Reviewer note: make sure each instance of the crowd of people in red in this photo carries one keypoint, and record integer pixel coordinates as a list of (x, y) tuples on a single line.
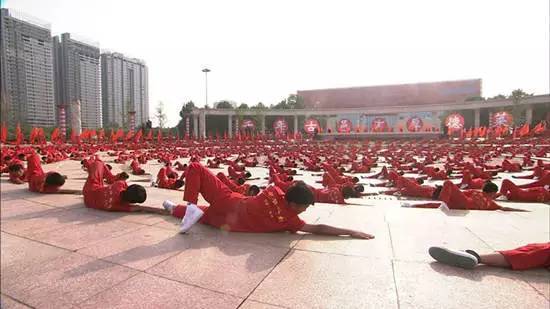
[(462, 175)]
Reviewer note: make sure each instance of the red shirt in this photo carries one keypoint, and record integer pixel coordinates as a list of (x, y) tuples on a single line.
[(480, 201), (37, 177), (99, 196), (266, 212), (331, 195)]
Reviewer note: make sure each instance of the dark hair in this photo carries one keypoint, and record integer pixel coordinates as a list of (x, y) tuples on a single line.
[(355, 180), (449, 172), (293, 172), (82, 161), (400, 173), (348, 192), (240, 181), (289, 178), (134, 194), (437, 191), (247, 175), (21, 156), (109, 166), (419, 181), (299, 193), (123, 175), (15, 167), (54, 179), (7, 158), (253, 190), (490, 187), (179, 183), (359, 188)]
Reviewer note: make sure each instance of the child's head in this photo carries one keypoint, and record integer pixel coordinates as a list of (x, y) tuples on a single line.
[(16, 169), (123, 176), (247, 175), (490, 188), (359, 188), (178, 184), (253, 190), (419, 181), (54, 179), (348, 192), (240, 181), (355, 180), (299, 197), (292, 172), (134, 194)]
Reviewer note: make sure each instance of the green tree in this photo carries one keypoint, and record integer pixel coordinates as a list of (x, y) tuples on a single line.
[(185, 112), (260, 105), (518, 110), (499, 96), (243, 106), (224, 104)]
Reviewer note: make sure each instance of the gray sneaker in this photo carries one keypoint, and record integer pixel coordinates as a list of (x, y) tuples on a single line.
[(453, 257)]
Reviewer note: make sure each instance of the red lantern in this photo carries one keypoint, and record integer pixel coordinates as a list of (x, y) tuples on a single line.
[(280, 126), (248, 124), (311, 124), (379, 124), (501, 119), (344, 126), (414, 124), (454, 122)]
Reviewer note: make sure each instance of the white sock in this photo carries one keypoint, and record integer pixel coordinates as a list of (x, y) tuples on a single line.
[(169, 205), (192, 216)]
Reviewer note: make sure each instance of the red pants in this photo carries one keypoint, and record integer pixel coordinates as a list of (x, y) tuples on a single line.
[(544, 181), (515, 193), (529, 256), (201, 180)]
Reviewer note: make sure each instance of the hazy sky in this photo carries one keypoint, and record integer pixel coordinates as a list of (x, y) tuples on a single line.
[(261, 51)]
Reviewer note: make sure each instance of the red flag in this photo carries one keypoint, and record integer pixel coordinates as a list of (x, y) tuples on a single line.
[(4, 134), (150, 135), (18, 135), (159, 135), (119, 134), (113, 136), (129, 135), (523, 131), (101, 134), (138, 135), (54, 136)]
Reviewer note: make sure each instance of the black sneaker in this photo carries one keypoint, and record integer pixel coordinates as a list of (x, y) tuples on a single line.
[(453, 257)]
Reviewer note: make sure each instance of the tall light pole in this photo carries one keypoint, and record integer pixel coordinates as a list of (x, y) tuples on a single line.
[(205, 70)]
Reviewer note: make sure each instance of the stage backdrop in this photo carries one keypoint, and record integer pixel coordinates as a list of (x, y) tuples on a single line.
[(405, 122)]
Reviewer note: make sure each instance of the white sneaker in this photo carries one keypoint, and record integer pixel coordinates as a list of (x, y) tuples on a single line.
[(192, 216), (444, 206), (169, 205)]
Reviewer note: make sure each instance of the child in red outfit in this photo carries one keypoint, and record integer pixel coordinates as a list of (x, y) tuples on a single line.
[(517, 194), (44, 182), (115, 197), (270, 211)]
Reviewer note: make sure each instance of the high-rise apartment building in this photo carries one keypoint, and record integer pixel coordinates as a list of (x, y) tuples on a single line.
[(124, 90), (77, 77), (26, 68)]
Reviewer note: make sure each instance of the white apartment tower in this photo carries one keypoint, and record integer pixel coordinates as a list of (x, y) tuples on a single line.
[(77, 76), (26, 69), (124, 90)]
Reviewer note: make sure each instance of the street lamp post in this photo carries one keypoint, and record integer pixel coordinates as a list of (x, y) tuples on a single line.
[(205, 70)]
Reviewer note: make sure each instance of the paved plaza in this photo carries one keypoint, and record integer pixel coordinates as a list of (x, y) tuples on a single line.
[(55, 253)]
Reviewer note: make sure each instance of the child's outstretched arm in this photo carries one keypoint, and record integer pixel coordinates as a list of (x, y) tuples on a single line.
[(323, 229)]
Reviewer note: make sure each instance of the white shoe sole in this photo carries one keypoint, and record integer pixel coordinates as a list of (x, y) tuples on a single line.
[(453, 258)]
